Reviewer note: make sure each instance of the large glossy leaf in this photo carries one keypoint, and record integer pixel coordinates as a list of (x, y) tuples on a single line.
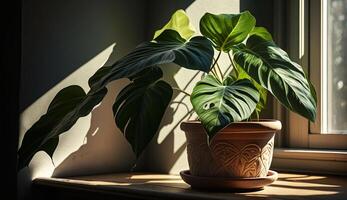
[(241, 74), (140, 106), (218, 104), (226, 30), (99, 74), (67, 106), (262, 91), (169, 47), (271, 67), (180, 23), (261, 32)]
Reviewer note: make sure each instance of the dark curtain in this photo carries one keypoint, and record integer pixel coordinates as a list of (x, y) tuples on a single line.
[(10, 12)]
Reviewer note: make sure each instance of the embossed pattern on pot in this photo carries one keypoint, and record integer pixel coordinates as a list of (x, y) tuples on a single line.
[(242, 149), (250, 160), (200, 159)]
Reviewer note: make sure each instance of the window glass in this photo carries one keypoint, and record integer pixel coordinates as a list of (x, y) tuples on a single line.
[(337, 66)]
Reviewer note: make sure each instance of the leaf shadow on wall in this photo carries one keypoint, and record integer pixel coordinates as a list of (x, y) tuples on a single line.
[(167, 146), (105, 149), (105, 145)]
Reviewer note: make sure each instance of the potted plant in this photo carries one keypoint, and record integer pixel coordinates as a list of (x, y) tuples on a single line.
[(228, 140)]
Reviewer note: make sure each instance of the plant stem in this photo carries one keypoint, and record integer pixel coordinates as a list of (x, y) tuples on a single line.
[(216, 63), (219, 70), (178, 89), (257, 113), (213, 72), (233, 64)]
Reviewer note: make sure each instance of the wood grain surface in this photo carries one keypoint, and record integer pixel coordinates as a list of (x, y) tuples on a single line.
[(163, 186)]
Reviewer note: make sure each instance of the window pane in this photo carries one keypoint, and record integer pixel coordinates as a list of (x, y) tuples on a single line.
[(337, 66)]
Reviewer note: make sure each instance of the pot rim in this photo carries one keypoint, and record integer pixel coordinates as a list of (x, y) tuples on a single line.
[(261, 125), (241, 122)]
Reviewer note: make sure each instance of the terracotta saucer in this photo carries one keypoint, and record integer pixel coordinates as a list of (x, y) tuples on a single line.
[(229, 184)]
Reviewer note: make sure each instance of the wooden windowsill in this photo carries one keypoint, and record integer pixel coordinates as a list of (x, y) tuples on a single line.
[(310, 160), (311, 154), (162, 186)]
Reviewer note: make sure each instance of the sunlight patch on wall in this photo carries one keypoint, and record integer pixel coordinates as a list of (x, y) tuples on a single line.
[(72, 140), (79, 77)]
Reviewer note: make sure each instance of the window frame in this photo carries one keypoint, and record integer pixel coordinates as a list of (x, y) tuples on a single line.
[(305, 44)]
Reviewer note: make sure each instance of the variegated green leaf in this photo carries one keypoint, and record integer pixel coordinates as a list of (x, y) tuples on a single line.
[(218, 104)]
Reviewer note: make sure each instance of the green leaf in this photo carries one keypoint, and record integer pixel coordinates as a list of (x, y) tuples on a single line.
[(312, 89), (262, 91), (100, 73), (67, 106), (180, 23), (226, 30), (196, 54), (261, 32), (140, 106), (218, 104), (271, 67)]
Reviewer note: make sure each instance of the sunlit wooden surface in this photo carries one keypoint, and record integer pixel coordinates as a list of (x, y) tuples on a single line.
[(160, 186)]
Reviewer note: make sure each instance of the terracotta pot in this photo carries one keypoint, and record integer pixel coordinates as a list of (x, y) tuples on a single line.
[(242, 149)]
